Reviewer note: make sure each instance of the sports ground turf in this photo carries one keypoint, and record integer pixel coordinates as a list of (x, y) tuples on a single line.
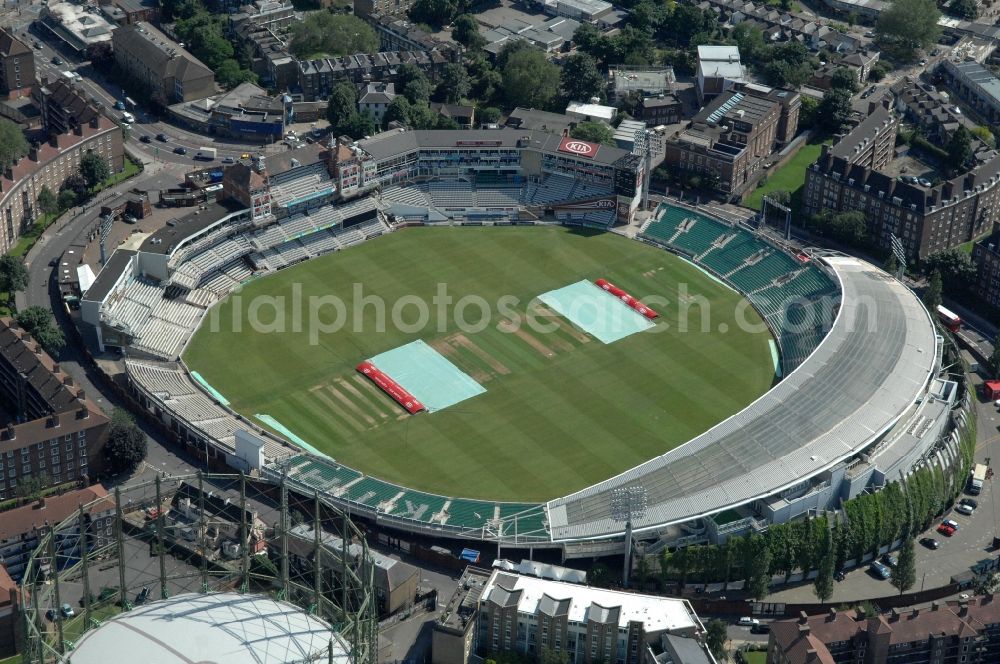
[(561, 410)]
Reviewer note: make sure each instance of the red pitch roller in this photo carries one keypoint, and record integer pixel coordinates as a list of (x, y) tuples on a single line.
[(391, 387), (606, 285)]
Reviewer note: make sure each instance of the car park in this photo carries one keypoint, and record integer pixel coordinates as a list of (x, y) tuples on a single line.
[(180, 149), (967, 510), (930, 542)]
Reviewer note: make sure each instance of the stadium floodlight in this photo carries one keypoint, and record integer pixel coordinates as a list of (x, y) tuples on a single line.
[(103, 229), (627, 504), (900, 253)]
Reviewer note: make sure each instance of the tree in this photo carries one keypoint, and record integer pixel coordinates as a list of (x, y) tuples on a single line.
[(67, 199), (229, 74), (595, 132), (398, 111), (959, 148), (38, 322), (413, 83), (465, 30), (47, 201), (31, 487), (13, 144), (550, 656), (580, 79), (323, 33), (94, 169), (844, 79), (964, 8), (908, 25), (905, 574), (454, 84), (932, 296), (343, 105), (126, 446), (823, 585), (993, 361), (891, 264), (958, 273), (529, 79), (750, 40), (433, 12), (985, 135), (488, 115), (13, 275), (360, 125), (715, 638), (834, 111)]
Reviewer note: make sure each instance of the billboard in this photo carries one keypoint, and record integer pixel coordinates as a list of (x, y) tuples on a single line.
[(594, 204), (577, 147)]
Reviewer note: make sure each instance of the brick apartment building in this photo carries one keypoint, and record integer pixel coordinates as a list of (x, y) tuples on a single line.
[(732, 136), (63, 105), (498, 611), (986, 258), (849, 176), (945, 633), (154, 60), (10, 615), (49, 164), (22, 527), (17, 67), (51, 431)]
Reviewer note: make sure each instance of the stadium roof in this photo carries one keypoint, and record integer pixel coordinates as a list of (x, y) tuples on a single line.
[(393, 143), (223, 628), (874, 363)]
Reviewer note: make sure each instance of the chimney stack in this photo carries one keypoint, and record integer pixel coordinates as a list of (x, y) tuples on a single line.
[(832, 614), (55, 367), (78, 129), (963, 609), (95, 121), (11, 431), (803, 618), (68, 381), (914, 612), (81, 395), (804, 630), (895, 615), (935, 605), (53, 421), (33, 153)]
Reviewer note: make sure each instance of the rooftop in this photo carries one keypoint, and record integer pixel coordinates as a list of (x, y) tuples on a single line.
[(160, 53), (656, 613), (83, 26), (626, 80), (850, 145), (51, 510), (979, 77), (224, 628), (166, 239)]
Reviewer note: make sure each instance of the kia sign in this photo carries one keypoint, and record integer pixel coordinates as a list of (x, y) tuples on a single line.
[(578, 147), (594, 204)]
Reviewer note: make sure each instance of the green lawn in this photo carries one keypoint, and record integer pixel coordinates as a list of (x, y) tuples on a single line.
[(755, 657), (789, 177), (561, 410)]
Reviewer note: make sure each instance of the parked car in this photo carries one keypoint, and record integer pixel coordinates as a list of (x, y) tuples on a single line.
[(879, 570), (245, 155), (51, 615), (228, 160), (145, 139), (889, 560), (760, 629), (971, 502), (950, 524), (143, 595), (840, 576), (946, 530), (923, 182), (67, 611), (162, 138), (180, 149), (119, 105), (747, 621), (57, 60), (930, 542), (967, 510)]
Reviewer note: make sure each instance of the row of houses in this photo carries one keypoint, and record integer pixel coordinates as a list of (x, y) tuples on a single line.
[(780, 26)]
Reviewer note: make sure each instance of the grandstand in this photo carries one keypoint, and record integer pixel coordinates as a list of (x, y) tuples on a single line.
[(772, 280)]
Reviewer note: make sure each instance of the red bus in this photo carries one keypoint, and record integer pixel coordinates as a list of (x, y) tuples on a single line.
[(949, 318)]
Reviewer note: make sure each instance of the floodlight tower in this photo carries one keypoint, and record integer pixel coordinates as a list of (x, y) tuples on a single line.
[(627, 504), (103, 229)]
